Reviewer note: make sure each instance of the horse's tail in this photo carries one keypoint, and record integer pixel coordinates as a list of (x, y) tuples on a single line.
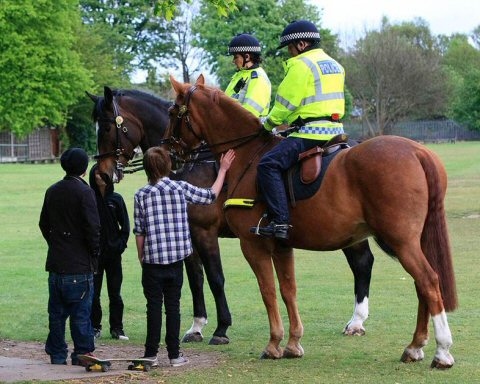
[(435, 241)]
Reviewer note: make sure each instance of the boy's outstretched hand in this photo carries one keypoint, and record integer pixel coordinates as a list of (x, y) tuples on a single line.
[(226, 160)]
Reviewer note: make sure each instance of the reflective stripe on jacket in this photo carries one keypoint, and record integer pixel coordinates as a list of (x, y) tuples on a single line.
[(312, 89), (255, 93)]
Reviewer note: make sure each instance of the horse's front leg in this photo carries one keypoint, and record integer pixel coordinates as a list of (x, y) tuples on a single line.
[(360, 259), (260, 260), (284, 263)]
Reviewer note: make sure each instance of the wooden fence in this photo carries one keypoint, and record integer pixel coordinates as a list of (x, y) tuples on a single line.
[(40, 145)]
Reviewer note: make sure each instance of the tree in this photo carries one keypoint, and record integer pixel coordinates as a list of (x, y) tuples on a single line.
[(462, 61), (266, 21), (41, 72), (99, 59), (167, 8), (392, 75)]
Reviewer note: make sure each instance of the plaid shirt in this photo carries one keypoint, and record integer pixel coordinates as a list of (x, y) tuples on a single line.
[(160, 214)]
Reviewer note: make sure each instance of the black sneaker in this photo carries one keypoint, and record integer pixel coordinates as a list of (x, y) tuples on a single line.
[(279, 231), (118, 334)]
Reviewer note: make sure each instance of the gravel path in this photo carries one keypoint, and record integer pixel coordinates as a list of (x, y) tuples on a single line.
[(25, 361)]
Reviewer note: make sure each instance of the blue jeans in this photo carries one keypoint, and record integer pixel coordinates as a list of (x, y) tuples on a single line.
[(270, 175), (69, 296), (163, 283)]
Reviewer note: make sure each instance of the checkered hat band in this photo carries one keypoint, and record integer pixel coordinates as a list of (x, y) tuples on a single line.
[(300, 36), (244, 49)]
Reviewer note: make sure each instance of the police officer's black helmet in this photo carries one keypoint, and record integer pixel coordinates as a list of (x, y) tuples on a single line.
[(299, 30), (244, 43)]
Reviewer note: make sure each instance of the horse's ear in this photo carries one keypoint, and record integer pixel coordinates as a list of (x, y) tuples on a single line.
[(108, 95), (92, 97), (176, 85), (200, 80)]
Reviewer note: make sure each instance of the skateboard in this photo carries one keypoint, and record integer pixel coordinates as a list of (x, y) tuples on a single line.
[(97, 364)]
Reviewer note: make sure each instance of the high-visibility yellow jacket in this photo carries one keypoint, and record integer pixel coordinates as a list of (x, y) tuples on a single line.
[(312, 89), (252, 88)]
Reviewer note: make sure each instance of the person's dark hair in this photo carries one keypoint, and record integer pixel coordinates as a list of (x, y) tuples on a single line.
[(157, 164)]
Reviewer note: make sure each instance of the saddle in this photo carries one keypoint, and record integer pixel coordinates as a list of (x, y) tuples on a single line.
[(311, 160), (304, 178)]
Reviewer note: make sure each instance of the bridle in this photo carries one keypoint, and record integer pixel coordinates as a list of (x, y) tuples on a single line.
[(183, 117), (121, 128)]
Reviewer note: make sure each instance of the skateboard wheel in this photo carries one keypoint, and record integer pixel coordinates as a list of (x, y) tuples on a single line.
[(105, 368), (146, 368), (88, 368), (130, 367)]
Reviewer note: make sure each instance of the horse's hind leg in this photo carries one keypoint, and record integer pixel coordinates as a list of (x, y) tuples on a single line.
[(283, 261), (194, 269), (414, 351), (430, 303), (360, 259), (210, 255)]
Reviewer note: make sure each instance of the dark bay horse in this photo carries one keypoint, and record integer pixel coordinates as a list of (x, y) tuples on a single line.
[(388, 187), (127, 119)]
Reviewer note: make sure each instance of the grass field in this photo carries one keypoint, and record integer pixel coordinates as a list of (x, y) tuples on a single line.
[(325, 293)]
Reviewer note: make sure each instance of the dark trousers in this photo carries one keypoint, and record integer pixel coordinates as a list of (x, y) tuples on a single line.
[(69, 296), (270, 175), (163, 284), (110, 266)]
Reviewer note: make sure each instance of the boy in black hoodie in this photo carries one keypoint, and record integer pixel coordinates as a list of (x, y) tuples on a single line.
[(113, 241)]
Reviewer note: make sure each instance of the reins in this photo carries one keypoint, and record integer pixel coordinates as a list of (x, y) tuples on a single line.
[(184, 116)]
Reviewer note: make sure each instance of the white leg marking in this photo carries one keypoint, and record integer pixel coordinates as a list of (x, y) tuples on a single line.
[(197, 326), (443, 336), (360, 314)]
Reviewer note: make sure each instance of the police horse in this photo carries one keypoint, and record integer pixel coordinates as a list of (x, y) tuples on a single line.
[(388, 187)]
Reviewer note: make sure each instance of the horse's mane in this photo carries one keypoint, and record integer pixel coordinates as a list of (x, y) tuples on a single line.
[(231, 106), (133, 93)]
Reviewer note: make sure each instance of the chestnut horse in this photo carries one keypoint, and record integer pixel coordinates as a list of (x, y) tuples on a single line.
[(388, 187), (127, 119)]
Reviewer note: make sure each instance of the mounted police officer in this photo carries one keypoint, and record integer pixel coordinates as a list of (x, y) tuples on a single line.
[(311, 98), (250, 84)]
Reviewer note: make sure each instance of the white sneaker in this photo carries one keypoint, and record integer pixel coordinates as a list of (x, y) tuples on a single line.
[(179, 361), (153, 358), (118, 334)]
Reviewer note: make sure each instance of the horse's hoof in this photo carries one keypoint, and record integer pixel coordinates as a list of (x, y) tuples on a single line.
[(354, 332), (440, 364), (289, 353), (195, 337), (411, 355), (268, 355), (219, 340)]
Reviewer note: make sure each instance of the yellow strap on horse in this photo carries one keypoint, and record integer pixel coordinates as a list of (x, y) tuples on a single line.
[(239, 202)]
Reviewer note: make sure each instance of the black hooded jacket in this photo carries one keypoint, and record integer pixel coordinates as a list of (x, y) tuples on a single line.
[(114, 220)]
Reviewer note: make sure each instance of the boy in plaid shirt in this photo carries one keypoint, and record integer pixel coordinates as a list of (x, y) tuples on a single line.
[(163, 241)]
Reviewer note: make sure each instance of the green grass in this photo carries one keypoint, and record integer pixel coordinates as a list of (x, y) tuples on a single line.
[(325, 293)]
